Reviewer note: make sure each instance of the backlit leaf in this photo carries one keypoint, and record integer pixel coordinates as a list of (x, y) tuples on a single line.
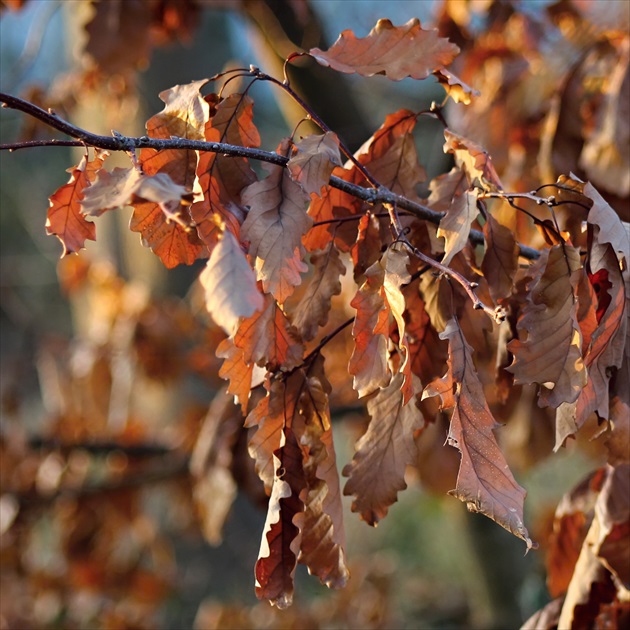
[(484, 481), (230, 285), (314, 160), (274, 226), (377, 471), (473, 160), (65, 215), (456, 223), (395, 51)]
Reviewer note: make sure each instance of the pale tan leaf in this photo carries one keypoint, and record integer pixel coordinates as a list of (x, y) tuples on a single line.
[(314, 160), (230, 285), (455, 225), (377, 471), (274, 226), (395, 51)]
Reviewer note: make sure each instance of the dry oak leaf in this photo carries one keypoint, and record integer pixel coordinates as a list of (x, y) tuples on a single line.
[(473, 160), (311, 312), (459, 91), (313, 162), (549, 348), (274, 227), (395, 51), (220, 179), (484, 481), (280, 544), (65, 215), (377, 471), (230, 285), (456, 223), (235, 370), (500, 260)]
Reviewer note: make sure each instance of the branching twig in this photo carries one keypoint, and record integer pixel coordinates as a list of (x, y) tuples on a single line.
[(118, 142)]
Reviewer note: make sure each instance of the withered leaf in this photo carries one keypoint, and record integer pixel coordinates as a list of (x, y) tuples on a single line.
[(274, 226), (549, 348), (236, 371), (312, 310), (65, 217), (500, 260), (281, 538), (377, 471), (221, 179), (230, 285), (314, 160), (395, 51), (473, 160), (484, 481), (456, 223)]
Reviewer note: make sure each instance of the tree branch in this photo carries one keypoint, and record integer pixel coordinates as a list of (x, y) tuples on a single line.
[(117, 142)]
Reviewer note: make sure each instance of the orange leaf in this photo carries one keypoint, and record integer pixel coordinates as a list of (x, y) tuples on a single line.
[(274, 226), (221, 179), (237, 371), (395, 51), (484, 481), (65, 219), (227, 269), (268, 339), (314, 160), (549, 348), (473, 160), (377, 470)]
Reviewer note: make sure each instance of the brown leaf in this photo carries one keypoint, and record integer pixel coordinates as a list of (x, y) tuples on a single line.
[(395, 51), (314, 160), (456, 223), (473, 160), (323, 538), (210, 465), (367, 248), (484, 481), (500, 260), (268, 339), (459, 91), (281, 538), (221, 179), (312, 310), (230, 285), (274, 226), (551, 352), (65, 218), (377, 471)]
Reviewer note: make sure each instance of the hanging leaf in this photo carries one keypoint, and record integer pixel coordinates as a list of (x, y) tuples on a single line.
[(314, 160), (473, 160), (377, 471), (274, 226), (456, 223), (500, 260), (484, 481)]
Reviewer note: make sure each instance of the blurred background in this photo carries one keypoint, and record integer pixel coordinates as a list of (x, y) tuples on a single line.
[(108, 362)]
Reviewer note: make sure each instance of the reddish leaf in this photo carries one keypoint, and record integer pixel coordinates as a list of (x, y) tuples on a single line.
[(314, 160), (484, 481), (395, 51), (281, 538), (65, 219), (367, 248), (312, 310), (274, 226), (500, 260), (323, 537), (268, 339), (377, 471), (226, 269), (221, 179), (548, 350)]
